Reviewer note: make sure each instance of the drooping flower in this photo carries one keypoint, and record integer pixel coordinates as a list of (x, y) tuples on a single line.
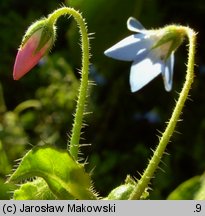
[(151, 51), (37, 41)]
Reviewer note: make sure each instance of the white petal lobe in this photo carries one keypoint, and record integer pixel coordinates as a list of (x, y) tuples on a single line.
[(143, 72), (129, 48), (134, 25)]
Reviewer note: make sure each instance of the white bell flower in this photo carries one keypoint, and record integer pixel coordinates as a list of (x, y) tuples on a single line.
[(151, 51)]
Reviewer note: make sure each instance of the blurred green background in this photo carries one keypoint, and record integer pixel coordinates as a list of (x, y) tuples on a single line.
[(123, 126)]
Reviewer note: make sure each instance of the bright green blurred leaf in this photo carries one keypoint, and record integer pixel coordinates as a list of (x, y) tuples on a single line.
[(5, 167), (36, 190), (5, 190), (200, 195), (187, 190)]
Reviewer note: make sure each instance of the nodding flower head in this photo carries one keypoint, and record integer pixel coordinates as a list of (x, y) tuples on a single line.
[(151, 51), (38, 40)]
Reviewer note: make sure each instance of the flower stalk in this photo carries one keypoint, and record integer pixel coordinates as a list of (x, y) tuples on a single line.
[(164, 140), (73, 143)]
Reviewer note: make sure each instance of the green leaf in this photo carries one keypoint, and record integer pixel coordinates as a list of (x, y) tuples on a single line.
[(186, 190), (36, 190), (65, 177), (200, 194)]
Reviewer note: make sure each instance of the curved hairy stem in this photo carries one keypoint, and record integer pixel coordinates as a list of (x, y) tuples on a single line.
[(78, 120), (164, 140)]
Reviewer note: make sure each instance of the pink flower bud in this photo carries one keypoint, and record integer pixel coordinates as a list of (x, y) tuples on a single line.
[(37, 41)]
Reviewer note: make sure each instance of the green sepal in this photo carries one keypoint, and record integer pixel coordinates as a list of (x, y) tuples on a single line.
[(48, 35), (121, 192), (124, 191), (47, 32), (32, 29), (171, 34)]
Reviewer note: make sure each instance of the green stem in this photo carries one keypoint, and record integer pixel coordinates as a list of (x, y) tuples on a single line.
[(78, 120), (158, 153)]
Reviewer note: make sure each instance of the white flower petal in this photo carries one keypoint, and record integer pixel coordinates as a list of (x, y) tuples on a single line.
[(128, 48), (143, 72), (167, 73), (134, 25)]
